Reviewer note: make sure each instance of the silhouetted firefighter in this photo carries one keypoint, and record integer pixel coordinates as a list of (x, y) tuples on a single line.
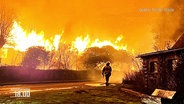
[(107, 72)]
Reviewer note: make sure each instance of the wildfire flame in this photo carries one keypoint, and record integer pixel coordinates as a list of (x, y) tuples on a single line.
[(22, 40), (82, 43)]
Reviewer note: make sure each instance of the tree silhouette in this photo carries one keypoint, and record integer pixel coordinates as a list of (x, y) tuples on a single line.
[(34, 56), (95, 55), (6, 22), (92, 56)]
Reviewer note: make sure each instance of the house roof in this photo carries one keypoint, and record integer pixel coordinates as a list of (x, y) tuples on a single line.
[(160, 52), (179, 43)]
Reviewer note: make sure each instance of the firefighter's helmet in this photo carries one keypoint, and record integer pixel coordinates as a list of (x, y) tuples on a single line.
[(108, 63)]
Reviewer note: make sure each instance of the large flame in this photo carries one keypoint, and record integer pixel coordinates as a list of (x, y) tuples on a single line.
[(82, 43), (22, 40)]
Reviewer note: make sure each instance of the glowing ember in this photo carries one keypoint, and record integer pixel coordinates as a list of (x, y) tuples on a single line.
[(132, 68), (119, 38), (3, 53), (124, 47)]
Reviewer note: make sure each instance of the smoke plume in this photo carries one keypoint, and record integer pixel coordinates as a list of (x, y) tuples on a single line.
[(170, 25)]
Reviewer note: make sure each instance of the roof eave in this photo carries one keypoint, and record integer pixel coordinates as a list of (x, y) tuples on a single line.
[(159, 52)]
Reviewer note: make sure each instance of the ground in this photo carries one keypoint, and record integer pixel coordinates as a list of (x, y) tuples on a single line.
[(69, 93)]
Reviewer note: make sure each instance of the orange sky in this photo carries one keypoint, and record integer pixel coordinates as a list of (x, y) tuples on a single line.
[(104, 19)]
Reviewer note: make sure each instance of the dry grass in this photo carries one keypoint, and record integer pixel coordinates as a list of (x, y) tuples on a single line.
[(87, 95)]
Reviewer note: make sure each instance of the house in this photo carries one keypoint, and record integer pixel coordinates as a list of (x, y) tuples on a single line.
[(158, 67)]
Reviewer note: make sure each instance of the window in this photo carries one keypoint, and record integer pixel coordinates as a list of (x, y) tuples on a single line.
[(153, 67), (172, 64)]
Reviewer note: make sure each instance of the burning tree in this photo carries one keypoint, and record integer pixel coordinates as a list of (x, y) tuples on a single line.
[(6, 21), (63, 58)]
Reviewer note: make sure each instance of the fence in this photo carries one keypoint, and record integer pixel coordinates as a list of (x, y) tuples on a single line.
[(18, 74)]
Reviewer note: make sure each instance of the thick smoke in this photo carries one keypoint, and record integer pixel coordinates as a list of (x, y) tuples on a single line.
[(178, 4), (170, 25)]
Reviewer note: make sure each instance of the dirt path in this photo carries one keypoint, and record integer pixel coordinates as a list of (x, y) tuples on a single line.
[(71, 93)]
